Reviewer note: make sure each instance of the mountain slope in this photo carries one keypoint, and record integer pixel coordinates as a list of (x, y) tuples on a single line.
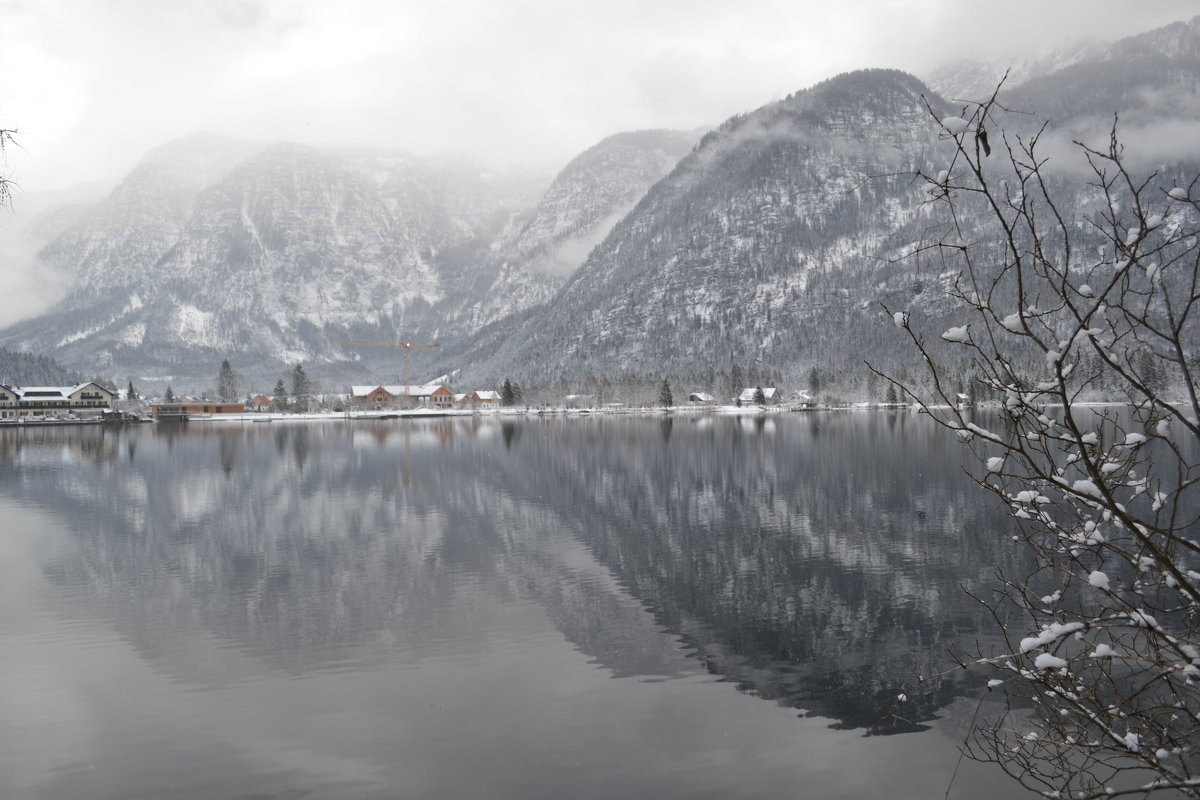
[(753, 246), (975, 80), (775, 242), (273, 255), (530, 261), (262, 259)]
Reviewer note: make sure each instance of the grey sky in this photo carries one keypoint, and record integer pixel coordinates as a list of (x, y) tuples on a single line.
[(92, 85)]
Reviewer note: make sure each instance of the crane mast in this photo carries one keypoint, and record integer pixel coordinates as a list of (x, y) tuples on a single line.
[(406, 346)]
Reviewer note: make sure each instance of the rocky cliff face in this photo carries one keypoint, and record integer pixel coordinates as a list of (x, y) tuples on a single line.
[(112, 244)]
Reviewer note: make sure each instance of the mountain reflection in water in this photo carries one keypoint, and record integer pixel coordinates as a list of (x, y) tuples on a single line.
[(817, 561)]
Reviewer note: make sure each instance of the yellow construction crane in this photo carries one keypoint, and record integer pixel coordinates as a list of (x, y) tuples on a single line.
[(408, 346)]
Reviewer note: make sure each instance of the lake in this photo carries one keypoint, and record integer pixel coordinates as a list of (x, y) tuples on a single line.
[(681, 606)]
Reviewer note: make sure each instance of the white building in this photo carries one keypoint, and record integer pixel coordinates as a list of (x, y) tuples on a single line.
[(771, 394), (85, 399)]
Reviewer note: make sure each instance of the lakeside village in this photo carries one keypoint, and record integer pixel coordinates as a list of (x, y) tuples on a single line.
[(93, 403)]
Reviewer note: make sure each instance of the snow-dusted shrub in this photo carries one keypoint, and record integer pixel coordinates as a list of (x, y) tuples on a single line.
[(1068, 284)]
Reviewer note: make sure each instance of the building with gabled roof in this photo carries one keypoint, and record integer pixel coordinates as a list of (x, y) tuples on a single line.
[(431, 395), (84, 399), (769, 392), (801, 397), (485, 397)]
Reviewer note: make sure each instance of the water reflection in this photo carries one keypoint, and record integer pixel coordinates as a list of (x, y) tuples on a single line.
[(816, 560), (819, 563)]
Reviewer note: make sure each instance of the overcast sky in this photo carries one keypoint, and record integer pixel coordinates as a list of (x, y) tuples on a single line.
[(92, 84)]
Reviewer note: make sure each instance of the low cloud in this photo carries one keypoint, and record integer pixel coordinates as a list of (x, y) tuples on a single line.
[(30, 286), (564, 258)]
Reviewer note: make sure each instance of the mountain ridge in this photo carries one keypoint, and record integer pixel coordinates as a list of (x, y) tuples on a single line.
[(769, 241)]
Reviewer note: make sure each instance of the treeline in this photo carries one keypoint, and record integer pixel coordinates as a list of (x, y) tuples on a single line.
[(642, 390), (28, 369)]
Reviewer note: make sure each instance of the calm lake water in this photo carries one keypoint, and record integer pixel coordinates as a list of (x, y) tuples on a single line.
[(671, 607)]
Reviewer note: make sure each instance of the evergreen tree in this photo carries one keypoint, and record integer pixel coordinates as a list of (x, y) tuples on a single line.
[(1149, 372), (507, 395), (301, 389), (814, 381), (280, 399), (131, 393), (735, 381), (890, 397), (518, 394), (170, 395), (18, 369), (665, 398), (760, 397), (227, 383)]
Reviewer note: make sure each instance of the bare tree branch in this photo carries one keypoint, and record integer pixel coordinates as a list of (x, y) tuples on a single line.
[(1064, 301)]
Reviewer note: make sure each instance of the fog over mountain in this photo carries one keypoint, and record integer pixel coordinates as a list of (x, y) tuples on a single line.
[(770, 240)]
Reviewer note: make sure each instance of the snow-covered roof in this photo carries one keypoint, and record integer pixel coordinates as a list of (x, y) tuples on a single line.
[(59, 392), (396, 390), (487, 394), (53, 391), (747, 395), (42, 391), (702, 397)]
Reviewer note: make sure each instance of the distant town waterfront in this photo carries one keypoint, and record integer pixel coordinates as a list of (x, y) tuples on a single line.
[(678, 605)]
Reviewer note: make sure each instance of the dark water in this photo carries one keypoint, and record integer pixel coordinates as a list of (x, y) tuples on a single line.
[(672, 607)]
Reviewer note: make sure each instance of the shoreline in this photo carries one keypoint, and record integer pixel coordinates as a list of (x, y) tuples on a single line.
[(429, 413)]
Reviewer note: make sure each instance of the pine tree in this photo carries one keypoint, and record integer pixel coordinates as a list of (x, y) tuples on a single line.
[(735, 381), (227, 388), (760, 397), (170, 395), (518, 394), (131, 393), (890, 397), (300, 388), (507, 395), (280, 395), (665, 398), (1147, 369)]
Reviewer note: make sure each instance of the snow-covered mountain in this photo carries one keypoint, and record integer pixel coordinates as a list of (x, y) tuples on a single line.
[(966, 79), (758, 245), (776, 240), (112, 245), (770, 242), (272, 255), (215, 249), (538, 252)]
